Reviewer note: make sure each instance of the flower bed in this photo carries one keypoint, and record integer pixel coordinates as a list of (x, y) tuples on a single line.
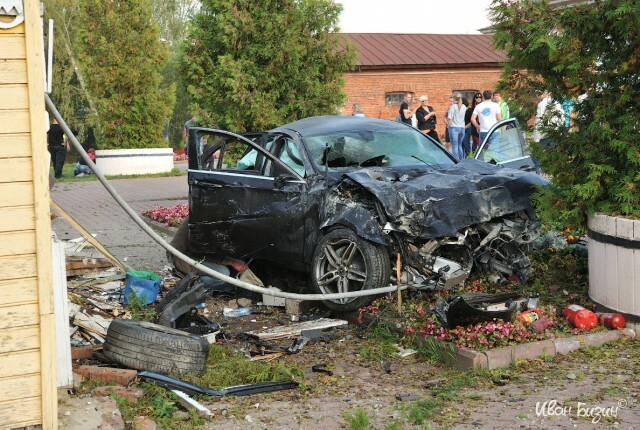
[(560, 279), (169, 216), (179, 155)]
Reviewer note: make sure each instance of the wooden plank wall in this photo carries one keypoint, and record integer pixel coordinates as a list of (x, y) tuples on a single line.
[(27, 336), (614, 271)]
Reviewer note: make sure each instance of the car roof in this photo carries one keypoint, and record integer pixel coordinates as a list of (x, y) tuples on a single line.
[(316, 125)]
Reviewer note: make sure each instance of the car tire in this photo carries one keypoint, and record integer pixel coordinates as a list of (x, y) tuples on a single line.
[(145, 346), (343, 261)]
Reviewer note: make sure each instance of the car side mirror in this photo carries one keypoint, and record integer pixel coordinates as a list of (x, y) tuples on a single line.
[(281, 180)]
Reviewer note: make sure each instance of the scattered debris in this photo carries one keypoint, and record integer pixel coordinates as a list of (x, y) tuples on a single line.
[(193, 389), (406, 352), (321, 368), (472, 308), (191, 405), (296, 329)]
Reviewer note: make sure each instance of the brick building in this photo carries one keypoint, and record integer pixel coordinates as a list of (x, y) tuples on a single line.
[(436, 65)]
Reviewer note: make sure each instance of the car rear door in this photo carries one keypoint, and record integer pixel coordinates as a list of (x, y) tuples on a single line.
[(505, 145), (237, 207)]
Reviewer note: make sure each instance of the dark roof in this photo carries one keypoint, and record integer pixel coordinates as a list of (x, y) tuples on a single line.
[(386, 50), (316, 125)]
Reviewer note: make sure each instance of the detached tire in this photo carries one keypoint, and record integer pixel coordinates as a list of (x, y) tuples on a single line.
[(145, 346), (344, 262)]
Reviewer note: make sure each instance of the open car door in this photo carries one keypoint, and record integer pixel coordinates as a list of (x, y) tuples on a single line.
[(505, 145), (244, 202)]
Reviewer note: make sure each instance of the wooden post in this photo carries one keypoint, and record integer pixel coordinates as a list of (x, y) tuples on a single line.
[(398, 277)]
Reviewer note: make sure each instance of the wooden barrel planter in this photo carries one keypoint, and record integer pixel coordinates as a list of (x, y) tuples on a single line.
[(614, 264), (138, 161)]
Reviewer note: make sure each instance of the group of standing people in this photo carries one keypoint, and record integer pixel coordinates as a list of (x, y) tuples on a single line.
[(467, 123)]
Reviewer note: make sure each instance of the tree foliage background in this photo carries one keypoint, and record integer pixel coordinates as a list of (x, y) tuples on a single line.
[(121, 57), (250, 66), (589, 53)]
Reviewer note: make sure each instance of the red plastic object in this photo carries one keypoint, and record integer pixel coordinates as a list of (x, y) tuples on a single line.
[(611, 320), (580, 317)]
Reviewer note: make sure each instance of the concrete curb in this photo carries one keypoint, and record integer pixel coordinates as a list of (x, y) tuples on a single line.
[(465, 359)]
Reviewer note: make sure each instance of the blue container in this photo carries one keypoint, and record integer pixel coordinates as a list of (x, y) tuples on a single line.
[(144, 284)]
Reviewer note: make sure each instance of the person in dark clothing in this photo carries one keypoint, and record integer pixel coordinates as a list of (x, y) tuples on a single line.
[(57, 147), (475, 136), (405, 112), (427, 120), (466, 141)]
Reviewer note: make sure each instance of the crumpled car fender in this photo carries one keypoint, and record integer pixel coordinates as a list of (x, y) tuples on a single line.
[(359, 220)]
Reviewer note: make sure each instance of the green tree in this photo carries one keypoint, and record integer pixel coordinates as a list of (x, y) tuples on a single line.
[(173, 17), (121, 58), (254, 65), (69, 93), (589, 53)]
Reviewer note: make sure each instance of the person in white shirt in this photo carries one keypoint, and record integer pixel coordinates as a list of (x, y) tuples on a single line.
[(455, 121), (485, 115)]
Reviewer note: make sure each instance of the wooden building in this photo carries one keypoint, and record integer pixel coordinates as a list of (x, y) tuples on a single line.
[(27, 334)]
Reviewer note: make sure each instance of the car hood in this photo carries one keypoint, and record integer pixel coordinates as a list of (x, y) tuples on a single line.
[(432, 203)]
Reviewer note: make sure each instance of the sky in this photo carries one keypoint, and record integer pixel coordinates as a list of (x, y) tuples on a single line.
[(414, 16)]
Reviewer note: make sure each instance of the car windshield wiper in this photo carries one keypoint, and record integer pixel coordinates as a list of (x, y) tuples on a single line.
[(421, 160)]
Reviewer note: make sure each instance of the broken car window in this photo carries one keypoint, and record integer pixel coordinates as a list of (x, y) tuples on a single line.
[(507, 145), (347, 149)]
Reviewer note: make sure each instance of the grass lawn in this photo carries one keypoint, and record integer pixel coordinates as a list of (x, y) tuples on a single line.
[(68, 168)]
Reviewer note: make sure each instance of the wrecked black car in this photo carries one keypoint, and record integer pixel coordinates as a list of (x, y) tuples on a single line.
[(340, 197)]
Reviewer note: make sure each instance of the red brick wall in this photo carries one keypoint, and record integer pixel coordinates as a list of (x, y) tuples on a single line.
[(369, 87)]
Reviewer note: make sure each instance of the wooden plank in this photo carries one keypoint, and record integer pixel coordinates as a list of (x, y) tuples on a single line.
[(64, 371), (16, 267), (14, 145), (17, 218), (624, 228), (90, 238), (20, 413), (15, 169), (19, 339), (15, 121), (595, 250), (18, 242), (610, 284), (18, 29), (14, 96), (19, 387), (626, 279), (92, 322), (295, 329), (40, 170), (19, 315), (19, 363), (23, 290), (12, 47), (13, 72), (16, 194)]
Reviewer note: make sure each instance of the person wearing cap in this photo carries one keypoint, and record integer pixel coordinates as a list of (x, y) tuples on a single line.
[(427, 120)]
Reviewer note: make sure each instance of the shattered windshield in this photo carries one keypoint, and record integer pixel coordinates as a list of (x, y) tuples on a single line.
[(362, 148)]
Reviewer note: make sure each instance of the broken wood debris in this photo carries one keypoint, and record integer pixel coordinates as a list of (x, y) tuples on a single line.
[(296, 329)]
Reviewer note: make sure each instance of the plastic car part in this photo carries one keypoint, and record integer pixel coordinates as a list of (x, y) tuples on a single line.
[(345, 262), (193, 322), (181, 305), (193, 389), (473, 308), (145, 346)]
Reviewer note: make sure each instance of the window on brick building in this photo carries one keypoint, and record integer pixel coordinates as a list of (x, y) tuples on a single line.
[(468, 94), (394, 98)]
